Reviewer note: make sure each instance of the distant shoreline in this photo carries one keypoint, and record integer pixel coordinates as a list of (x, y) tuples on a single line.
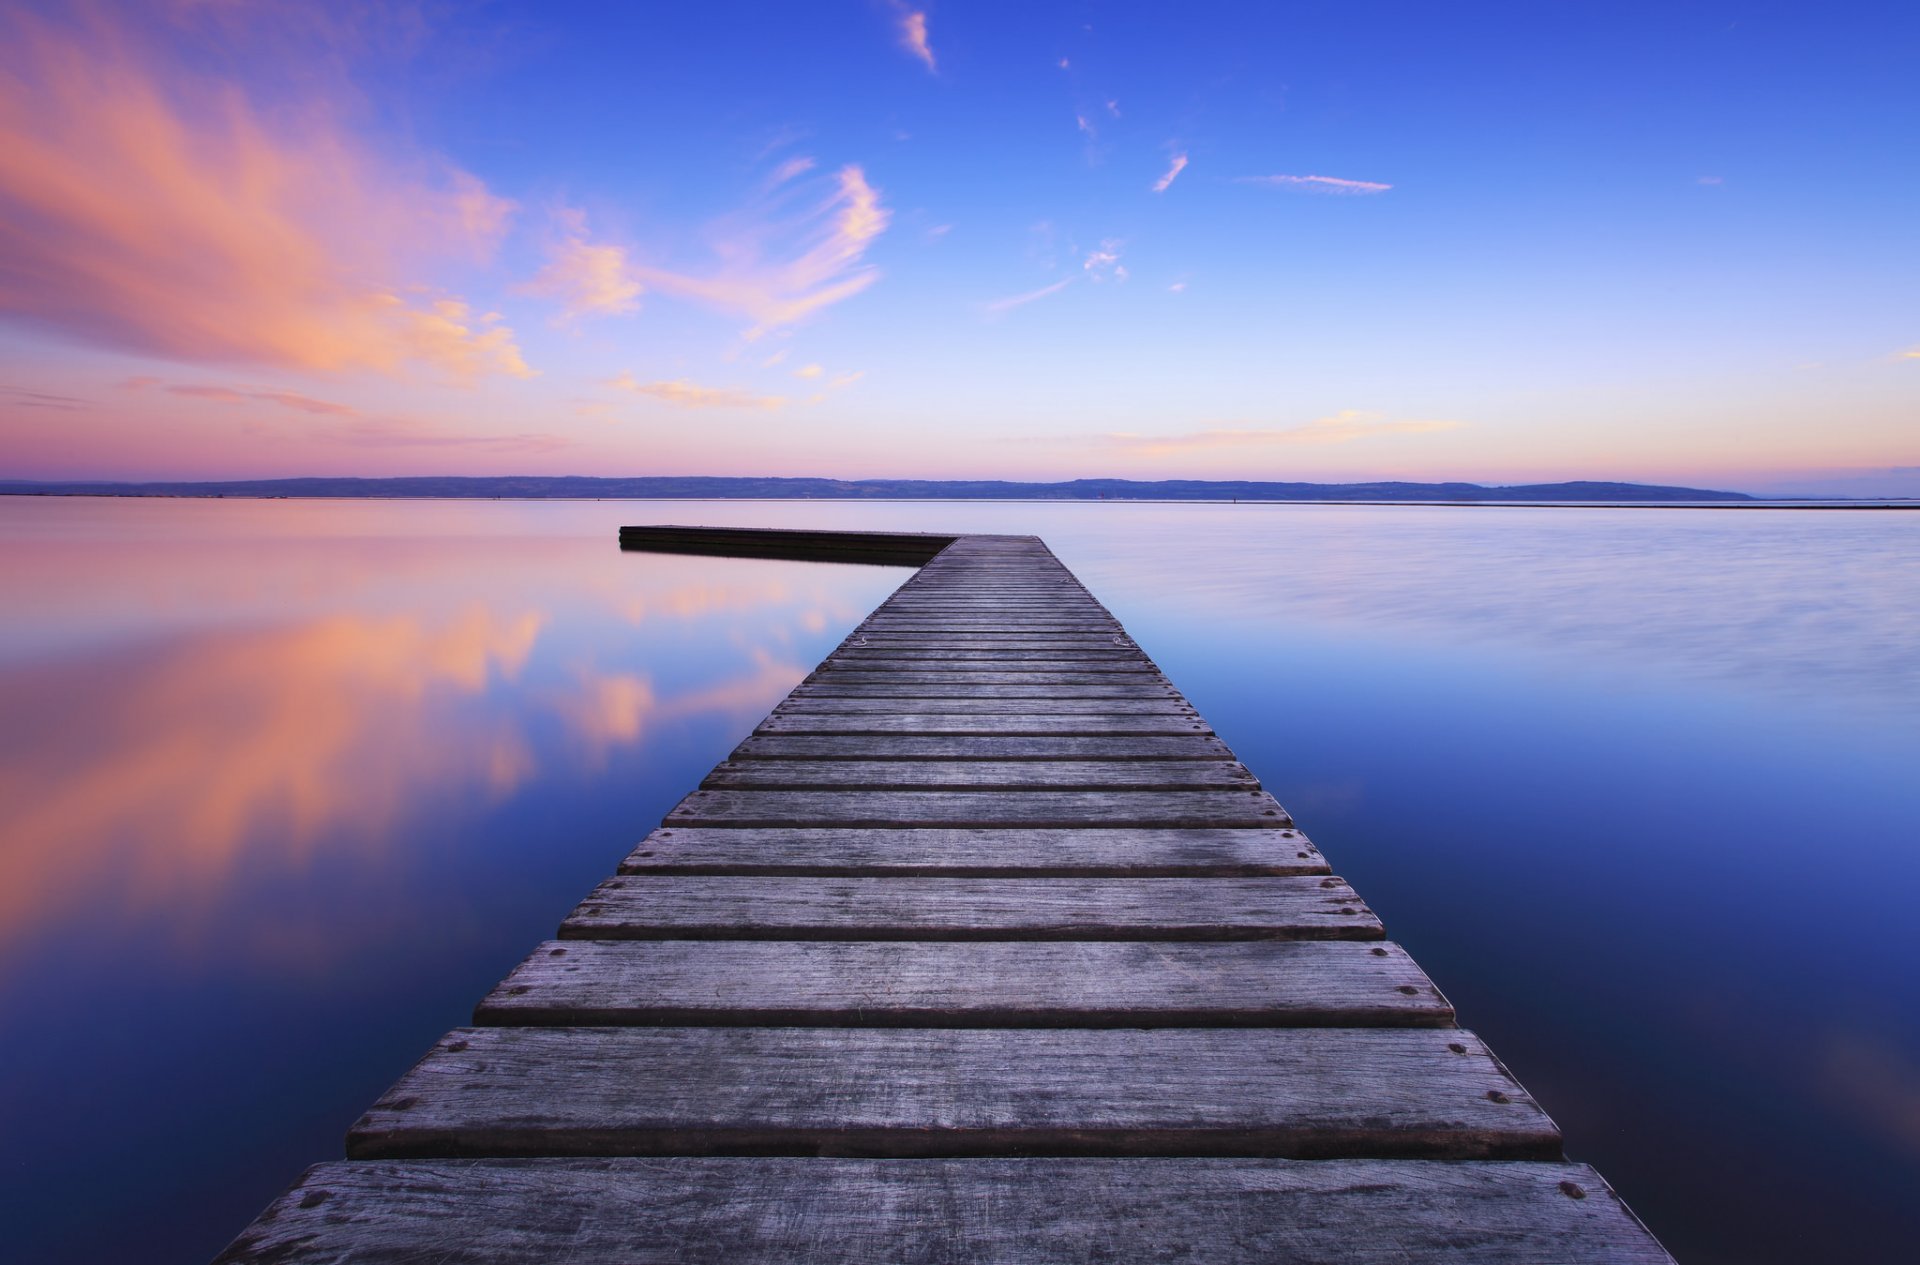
[(1752, 503)]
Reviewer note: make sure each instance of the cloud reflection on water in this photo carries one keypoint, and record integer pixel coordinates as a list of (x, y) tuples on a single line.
[(165, 766)]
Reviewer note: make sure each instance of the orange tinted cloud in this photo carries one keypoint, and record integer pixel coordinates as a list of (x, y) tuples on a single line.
[(148, 208), (588, 278), (779, 269), (692, 395), (913, 33)]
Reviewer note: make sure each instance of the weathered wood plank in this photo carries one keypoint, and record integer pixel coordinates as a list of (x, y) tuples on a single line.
[(1138, 679), (1077, 853), (647, 907), (940, 1212), (931, 689), (978, 808), (907, 1092), (979, 747), (989, 706), (923, 654), (924, 720), (837, 667), (1092, 984), (1010, 775)]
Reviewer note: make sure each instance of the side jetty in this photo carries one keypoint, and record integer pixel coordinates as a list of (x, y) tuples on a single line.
[(982, 947)]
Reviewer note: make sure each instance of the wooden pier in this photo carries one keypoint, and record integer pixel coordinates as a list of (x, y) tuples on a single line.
[(981, 947)]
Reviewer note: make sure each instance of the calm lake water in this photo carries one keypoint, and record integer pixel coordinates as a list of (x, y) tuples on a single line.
[(285, 786)]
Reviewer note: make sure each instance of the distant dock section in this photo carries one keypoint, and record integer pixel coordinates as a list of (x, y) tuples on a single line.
[(982, 946), (890, 548)]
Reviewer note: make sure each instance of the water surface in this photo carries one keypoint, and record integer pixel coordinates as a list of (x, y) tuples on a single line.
[(287, 785)]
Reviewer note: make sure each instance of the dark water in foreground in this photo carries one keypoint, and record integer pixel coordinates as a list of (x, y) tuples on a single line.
[(285, 786)]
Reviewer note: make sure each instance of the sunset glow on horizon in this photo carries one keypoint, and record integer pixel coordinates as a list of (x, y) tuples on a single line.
[(912, 240)]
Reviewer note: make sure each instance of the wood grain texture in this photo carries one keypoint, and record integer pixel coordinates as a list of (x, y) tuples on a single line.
[(979, 747), (1168, 705), (1013, 775), (943, 1212), (1094, 984), (979, 808), (905, 1092), (929, 722), (1016, 654), (1017, 670), (1137, 680), (969, 689), (829, 852), (667, 907)]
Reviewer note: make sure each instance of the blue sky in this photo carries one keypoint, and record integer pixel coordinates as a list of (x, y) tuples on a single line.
[(1502, 242)]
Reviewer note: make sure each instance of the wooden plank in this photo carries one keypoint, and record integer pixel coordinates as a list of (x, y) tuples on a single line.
[(1081, 853), (978, 747), (646, 907), (978, 808), (939, 1212), (837, 671), (838, 667), (923, 654), (970, 690), (977, 640), (896, 548), (924, 720), (980, 775), (1093, 984), (803, 704), (1139, 679), (907, 1092)]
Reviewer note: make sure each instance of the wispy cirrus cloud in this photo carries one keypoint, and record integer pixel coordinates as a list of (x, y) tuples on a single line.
[(777, 267), (147, 206), (587, 278), (1178, 165), (995, 307), (20, 397), (911, 25), (1317, 184), (686, 394), (1911, 353), (1342, 427), (1103, 262), (246, 395)]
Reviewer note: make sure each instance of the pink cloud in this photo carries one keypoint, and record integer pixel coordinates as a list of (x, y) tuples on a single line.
[(913, 33), (996, 306), (779, 269), (588, 278), (692, 395), (147, 207), (1173, 172), (1318, 184)]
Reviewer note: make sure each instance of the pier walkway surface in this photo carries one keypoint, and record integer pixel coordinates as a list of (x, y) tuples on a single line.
[(982, 947)]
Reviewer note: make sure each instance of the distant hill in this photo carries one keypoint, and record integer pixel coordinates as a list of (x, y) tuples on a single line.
[(671, 487)]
